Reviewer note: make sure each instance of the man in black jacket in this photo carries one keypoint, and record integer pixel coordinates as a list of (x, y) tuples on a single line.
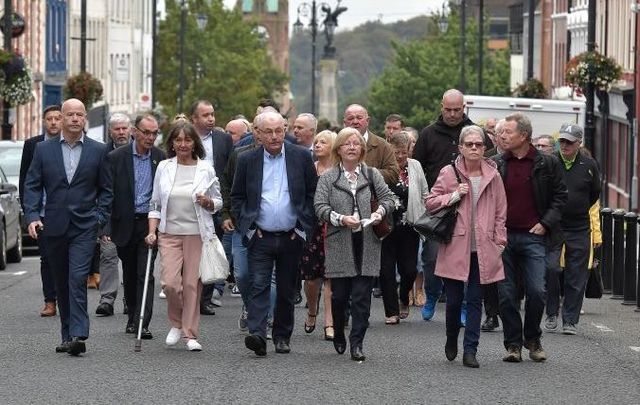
[(52, 123), (437, 146), (582, 177), (133, 168), (536, 195)]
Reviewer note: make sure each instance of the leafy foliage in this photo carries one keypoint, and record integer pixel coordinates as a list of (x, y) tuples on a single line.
[(592, 67), (226, 63), (84, 87), (422, 70), (532, 88)]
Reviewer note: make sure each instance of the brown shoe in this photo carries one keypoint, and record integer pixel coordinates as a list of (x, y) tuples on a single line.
[(536, 352), (513, 355), (93, 281), (49, 309)]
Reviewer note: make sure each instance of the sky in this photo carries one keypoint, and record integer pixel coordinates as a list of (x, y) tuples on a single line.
[(361, 11)]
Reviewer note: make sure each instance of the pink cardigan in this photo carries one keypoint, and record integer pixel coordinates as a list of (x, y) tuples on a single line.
[(491, 212)]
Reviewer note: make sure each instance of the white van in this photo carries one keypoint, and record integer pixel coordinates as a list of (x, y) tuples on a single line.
[(546, 115)]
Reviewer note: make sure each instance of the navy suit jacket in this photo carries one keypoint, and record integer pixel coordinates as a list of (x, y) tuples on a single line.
[(222, 148), (246, 192), (27, 156), (83, 202), (123, 183)]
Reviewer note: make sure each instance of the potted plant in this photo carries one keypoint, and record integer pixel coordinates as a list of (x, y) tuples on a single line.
[(15, 79), (84, 87), (532, 88), (592, 67)]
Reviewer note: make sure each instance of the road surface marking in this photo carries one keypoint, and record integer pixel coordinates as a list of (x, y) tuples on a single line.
[(602, 328), (635, 348), (14, 273)]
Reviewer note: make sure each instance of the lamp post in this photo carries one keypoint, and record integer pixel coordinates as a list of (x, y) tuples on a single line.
[(463, 33), (201, 22), (303, 10), (7, 127)]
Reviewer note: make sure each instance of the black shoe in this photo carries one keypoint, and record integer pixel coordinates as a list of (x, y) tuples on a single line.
[(125, 307), (282, 347), (298, 298), (76, 347), (62, 347), (131, 328), (207, 309), (257, 344), (377, 292), (339, 343), (451, 348), (104, 309), (469, 360), (490, 324), (145, 334), (356, 354)]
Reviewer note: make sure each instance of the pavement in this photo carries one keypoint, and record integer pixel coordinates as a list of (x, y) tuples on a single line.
[(405, 363)]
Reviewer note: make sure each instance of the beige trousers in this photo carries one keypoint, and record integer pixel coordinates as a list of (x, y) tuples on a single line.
[(181, 280)]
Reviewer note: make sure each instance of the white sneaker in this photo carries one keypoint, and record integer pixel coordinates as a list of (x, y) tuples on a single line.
[(162, 294), (216, 298), (173, 336), (193, 345)]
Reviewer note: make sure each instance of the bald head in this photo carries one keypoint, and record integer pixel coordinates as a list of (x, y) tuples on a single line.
[(73, 119), (452, 107), (237, 128), (356, 116)]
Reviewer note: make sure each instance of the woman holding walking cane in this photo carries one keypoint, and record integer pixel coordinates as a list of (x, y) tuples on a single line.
[(474, 254), (185, 194)]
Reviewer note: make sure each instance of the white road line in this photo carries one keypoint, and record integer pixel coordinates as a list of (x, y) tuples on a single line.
[(603, 328), (635, 348), (14, 273)]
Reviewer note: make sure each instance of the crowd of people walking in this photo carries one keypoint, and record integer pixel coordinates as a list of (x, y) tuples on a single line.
[(330, 213)]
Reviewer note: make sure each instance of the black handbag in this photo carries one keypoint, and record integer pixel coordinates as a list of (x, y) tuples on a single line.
[(594, 284), (439, 225)]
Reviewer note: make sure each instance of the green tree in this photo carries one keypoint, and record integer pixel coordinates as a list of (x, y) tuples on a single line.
[(412, 85), (226, 63)]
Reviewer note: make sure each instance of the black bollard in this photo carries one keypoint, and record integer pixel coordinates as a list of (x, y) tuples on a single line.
[(607, 248), (617, 273), (630, 259)]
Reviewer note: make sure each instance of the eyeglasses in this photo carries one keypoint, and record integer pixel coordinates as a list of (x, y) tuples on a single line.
[(472, 144), (351, 145), (146, 132), (271, 131), (542, 146)]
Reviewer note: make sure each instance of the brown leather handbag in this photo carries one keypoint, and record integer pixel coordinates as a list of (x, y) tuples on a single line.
[(384, 228)]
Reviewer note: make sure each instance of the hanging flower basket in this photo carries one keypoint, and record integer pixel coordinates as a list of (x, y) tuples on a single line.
[(592, 67), (84, 87), (15, 79)]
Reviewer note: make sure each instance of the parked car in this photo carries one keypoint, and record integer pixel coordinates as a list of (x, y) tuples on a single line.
[(10, 222), (10, 158)]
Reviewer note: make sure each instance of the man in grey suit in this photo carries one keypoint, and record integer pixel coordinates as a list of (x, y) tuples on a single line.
[(73, 170)]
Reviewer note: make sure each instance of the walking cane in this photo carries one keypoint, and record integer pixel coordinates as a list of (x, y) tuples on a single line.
[(138, 346)]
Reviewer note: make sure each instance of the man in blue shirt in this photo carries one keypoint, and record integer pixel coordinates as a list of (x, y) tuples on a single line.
[(272, 199)]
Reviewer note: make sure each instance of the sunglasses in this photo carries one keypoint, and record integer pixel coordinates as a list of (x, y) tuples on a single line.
[(472, 144)]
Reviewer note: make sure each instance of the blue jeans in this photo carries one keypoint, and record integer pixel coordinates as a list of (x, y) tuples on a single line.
[(432, 283), (241, 272), (456, 294), (524, 255)]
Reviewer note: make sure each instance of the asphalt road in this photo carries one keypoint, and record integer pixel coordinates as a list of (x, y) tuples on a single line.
[(405, 363)]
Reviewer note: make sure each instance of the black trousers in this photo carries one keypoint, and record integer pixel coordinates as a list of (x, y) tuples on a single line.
[(399, 250), (134, 264), (358, 289), (490, 296)]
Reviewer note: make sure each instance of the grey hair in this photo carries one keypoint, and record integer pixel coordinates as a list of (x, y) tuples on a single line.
[(523, 123), (118, 118), (312, 118), (269, 114), (469, 129), (545, 136)]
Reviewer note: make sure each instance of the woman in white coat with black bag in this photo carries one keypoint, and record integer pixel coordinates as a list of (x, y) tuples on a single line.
[(186, 193)]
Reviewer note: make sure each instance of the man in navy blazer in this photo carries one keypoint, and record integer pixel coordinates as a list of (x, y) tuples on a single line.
[(272, 199), (73, 171), (218, 146), (52, 125)]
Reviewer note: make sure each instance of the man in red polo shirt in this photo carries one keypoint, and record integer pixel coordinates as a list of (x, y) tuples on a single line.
[(536, 195)]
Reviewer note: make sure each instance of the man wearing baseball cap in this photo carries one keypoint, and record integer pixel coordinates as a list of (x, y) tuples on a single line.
[(582, 177)]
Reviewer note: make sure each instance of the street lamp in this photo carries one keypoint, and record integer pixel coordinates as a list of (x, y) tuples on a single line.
[(443, 22)]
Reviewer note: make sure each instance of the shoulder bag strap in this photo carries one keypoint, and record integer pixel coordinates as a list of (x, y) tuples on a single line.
[(455, 170)]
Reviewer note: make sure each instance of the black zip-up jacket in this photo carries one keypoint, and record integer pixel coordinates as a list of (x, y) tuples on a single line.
[(437, 146), (549, 191), (583, 183)]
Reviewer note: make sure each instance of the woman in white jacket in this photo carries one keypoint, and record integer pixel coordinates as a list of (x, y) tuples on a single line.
[(186, 193)]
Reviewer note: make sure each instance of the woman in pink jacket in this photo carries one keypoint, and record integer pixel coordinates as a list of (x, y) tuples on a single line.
[(474, 254)]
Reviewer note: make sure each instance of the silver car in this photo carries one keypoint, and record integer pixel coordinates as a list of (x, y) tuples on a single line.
[(10, 220)]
